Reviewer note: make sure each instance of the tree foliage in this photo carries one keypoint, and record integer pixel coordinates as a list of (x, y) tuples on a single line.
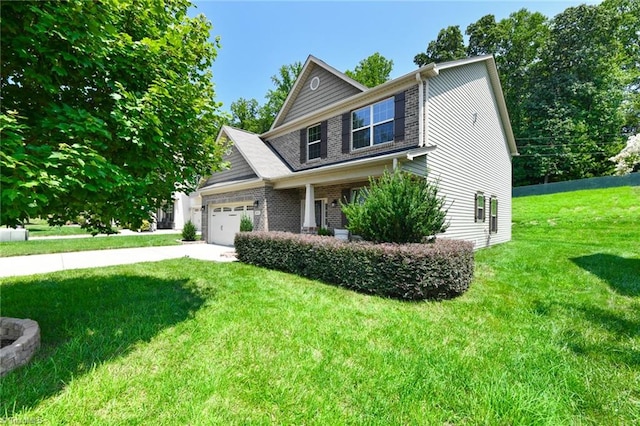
[(449, 46), (571, 84), (372, 71), (628, 160), (249, 115), (107, 109), (399, 207)]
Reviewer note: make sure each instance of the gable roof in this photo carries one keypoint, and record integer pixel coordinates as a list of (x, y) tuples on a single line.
[(386, 89), (262, 160), (311, 66)]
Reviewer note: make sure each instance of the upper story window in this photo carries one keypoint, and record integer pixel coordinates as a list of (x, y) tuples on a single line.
[(373, 124), (313, 142)]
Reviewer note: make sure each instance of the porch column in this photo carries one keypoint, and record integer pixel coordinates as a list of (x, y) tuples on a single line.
[(309, 224)]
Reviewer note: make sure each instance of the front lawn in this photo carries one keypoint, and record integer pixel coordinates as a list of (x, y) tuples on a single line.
[(548, 333), (63, 245)]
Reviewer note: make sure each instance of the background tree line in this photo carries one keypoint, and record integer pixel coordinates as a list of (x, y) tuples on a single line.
[(571, 83)]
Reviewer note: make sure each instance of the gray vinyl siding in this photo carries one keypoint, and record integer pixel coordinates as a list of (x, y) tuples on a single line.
[(418, 166), (470, 157), (239, 169), (331, 90)]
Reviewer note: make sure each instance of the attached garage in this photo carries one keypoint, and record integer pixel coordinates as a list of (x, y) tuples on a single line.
[(224, 222)]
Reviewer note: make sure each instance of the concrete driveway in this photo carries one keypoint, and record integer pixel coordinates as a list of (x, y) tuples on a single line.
[(42, 263)]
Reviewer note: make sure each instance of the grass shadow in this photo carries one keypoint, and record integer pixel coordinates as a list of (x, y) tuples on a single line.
[(595, 332), (622, 274), (86, 321)]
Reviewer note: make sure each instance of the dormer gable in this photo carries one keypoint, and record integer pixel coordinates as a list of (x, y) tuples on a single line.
[(317, 86)]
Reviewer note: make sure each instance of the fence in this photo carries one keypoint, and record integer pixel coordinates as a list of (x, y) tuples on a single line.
[(632, 179)]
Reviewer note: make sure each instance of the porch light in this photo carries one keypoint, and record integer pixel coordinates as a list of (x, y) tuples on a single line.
[(334, 203), (256, 203)]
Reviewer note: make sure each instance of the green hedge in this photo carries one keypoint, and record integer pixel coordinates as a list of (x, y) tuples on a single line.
[(437, 271)]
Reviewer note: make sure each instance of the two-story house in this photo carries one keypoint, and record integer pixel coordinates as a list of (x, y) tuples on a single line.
[(448, 120)]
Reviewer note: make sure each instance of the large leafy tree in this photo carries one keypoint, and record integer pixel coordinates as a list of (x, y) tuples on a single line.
[(249, 115), (372, 71), (448, 46), (575, 105), (107, 108)]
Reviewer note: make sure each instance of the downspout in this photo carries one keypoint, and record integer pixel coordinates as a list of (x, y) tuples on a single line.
[(420, 110)]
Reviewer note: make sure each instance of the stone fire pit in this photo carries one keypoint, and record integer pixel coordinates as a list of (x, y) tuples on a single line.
[(20, 340)]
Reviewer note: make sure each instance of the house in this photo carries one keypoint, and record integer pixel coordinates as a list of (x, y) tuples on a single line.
[(184, 208), (332, 134)]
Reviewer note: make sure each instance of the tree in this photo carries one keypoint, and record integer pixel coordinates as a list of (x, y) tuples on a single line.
[(245, 114), (107, 109), (628, 160), (372, 71), (575, 104), (399, 207), (448, 46), (283, 82)]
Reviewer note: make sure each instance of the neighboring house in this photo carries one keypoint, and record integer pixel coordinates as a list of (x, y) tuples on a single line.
[(184, 208), (332, 134)]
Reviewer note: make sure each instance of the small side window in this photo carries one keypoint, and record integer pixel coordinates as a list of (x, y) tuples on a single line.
[(480, 207), (493, 213)]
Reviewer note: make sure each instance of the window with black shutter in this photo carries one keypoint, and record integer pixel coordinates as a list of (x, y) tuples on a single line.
[(480, 207)]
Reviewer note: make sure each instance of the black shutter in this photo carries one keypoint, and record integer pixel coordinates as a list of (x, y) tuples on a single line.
[(484, 209), (475, 208), (398, 129), (303, 146), (346, 195), (323, 139), (346, 132)]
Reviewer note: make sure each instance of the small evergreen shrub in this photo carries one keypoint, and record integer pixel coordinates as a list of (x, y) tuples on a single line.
[(436, 271), (325, 232), (399, 207), (189, 231), (246, 224)]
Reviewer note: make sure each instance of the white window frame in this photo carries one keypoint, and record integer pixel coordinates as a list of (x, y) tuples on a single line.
[(372, 124), (314, 142)]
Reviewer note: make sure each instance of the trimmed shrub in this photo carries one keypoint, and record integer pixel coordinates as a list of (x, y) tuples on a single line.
[(246, 224), (441, 270), (399, 207), (189, 231)]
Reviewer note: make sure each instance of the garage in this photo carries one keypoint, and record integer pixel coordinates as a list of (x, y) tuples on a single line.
[(224, 222)]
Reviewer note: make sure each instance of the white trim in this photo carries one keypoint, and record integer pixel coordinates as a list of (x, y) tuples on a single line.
[(315, 80)]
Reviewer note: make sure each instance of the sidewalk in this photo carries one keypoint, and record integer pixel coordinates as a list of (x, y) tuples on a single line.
[(42, 263)]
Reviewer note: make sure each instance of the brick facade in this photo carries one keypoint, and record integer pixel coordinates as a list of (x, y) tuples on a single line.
[(288, 146)]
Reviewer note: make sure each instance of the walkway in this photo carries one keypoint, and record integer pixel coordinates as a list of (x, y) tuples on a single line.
[(41, 263)]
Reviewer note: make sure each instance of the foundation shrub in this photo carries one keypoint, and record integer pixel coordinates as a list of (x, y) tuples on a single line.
[(441, 270)]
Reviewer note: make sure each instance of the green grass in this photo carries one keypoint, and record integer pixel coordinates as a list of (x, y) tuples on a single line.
[(40, 228), (549, 333), (60, 245)]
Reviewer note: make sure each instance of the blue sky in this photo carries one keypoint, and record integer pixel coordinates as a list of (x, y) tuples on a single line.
[(258, 37)]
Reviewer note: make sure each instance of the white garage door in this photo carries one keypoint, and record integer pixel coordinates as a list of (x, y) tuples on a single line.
[(224, 223)]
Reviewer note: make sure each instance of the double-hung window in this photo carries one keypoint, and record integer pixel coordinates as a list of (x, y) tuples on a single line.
[(480, 207), (313, 142), (493, 214), (373, 124)]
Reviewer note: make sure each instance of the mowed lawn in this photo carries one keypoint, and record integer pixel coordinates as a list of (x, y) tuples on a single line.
[(549, 333)]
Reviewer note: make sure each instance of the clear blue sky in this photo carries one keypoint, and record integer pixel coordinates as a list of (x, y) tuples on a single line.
[(258, 37)]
